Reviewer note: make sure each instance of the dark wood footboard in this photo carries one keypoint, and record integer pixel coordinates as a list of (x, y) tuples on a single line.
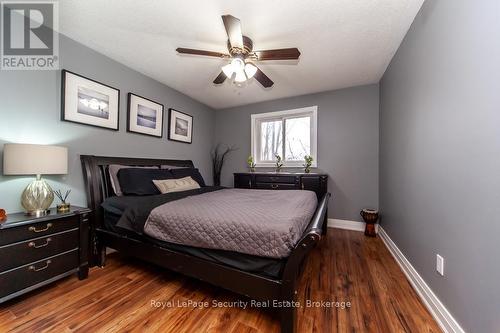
[(252, 285)]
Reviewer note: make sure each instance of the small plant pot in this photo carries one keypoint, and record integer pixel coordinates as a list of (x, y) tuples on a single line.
[(63, 208)]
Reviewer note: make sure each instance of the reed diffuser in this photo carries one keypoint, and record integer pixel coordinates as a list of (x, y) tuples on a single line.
[(64, 206)]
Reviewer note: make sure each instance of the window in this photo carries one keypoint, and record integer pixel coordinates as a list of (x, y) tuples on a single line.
[(292, 134)]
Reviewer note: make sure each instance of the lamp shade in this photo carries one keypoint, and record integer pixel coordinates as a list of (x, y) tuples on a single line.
[(26, 159)]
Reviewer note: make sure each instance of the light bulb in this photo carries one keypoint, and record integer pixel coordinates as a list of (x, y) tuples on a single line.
[(238, 64), (250, 70)]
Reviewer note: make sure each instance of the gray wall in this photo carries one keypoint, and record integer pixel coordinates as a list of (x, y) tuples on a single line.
[(440, 155), (30, 113), (347, 143)]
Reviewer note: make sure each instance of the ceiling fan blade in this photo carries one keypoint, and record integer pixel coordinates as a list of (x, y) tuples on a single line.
[(278, 54), (202, 53), (220, 78), (263, 79), (233, 29)]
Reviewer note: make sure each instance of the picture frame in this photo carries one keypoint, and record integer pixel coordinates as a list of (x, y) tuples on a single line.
[(180, 126), (144, 116), (89, 102)]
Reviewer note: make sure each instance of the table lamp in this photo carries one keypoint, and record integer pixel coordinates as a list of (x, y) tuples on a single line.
[(27, 159)]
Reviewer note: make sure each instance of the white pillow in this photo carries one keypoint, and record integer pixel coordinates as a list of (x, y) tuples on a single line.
[(176, 185)]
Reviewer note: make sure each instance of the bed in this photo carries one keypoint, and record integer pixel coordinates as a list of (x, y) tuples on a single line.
[(254, 271)]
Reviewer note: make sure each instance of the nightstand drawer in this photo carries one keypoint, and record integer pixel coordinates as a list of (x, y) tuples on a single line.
[(275, 186), (24, 252), (275, 179), (40, 271), (17, 234)]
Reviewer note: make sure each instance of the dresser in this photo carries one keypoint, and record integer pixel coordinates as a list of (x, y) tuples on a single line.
[(37, 251), (315, 182)]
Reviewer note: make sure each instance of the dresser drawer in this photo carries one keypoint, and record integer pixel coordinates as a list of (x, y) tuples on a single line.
[(276, 186), (24, 252), (17, 234), (276, 179), (243, 181), (31, 274)]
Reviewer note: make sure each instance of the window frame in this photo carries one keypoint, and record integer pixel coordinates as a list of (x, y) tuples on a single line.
[(257, 118)]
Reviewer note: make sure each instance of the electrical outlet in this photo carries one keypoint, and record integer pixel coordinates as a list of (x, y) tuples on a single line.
[(440, 264)]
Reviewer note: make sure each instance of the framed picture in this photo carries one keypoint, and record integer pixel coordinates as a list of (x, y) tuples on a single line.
[(89, 102), (144, 116), (180, 126)]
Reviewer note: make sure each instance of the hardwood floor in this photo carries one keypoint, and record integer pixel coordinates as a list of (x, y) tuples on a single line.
[(347, 267)]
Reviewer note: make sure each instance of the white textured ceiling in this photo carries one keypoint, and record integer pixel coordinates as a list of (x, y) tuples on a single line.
[(343, 43)]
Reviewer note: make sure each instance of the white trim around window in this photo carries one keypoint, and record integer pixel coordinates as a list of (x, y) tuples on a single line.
[(311, 111)]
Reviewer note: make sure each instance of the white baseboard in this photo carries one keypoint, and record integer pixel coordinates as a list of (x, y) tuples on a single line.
[(348, 225), (443, 317)]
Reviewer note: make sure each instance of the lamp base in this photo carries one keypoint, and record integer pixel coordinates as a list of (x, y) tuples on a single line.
[(37, 197), (38, 213)]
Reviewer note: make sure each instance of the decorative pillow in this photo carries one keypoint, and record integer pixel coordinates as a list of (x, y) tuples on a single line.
[(171, 167), (113, 175), (189, 172), (176, 185), (140, 181)]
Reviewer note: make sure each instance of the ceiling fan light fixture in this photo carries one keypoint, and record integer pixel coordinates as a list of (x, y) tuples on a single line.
[(228, 70), (240, 76), (250, 70)]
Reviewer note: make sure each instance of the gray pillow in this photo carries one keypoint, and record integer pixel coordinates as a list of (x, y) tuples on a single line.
[(113, 175)]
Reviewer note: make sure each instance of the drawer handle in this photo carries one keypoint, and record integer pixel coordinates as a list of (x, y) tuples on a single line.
[(34, 229), (33, 244), (274, 186), (34, 269), (275, 179)]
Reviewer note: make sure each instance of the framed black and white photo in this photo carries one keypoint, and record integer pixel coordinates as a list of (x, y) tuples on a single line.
[(144, 116), (89, 102), (180, 126)]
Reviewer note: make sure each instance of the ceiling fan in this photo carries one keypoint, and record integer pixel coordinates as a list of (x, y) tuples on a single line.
[(242, 56)]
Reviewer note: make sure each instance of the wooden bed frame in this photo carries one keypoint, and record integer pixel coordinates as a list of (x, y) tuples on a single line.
[(98, 188)]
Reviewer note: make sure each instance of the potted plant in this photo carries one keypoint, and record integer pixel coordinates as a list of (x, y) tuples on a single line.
[(308, 162), (279, 163), (251, 163)]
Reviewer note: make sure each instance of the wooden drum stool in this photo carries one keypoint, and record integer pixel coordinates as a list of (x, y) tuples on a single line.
[(370, 216)]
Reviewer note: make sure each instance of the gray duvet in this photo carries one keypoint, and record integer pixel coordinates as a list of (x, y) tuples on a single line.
[(259, 222)]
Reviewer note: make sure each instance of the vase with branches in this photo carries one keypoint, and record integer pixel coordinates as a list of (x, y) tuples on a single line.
[(218, 156)]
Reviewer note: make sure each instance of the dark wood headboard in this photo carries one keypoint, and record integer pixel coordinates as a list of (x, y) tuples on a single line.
[(96, 177)]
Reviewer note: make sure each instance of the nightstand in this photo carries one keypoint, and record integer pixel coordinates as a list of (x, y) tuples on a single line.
[(37, 251)]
